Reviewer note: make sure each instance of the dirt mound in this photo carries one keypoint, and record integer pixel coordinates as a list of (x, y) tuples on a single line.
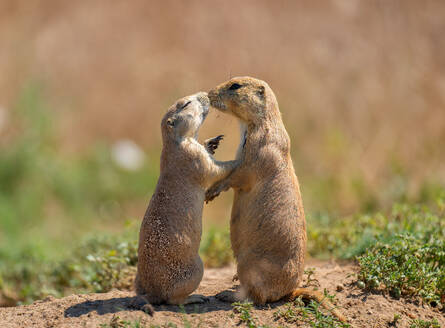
[(92, 310)]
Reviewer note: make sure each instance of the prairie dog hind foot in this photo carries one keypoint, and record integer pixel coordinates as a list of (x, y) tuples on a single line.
[(196, 299)]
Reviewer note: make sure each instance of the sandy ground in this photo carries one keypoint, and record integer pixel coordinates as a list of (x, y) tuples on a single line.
[(92, 310)]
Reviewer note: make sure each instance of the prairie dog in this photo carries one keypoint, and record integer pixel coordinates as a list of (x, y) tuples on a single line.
[(169, 267), (268, 226)]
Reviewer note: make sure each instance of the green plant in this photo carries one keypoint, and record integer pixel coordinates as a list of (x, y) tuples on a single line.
[(351, 236), (96, 265), (110, 265), (419, 323), (309, 281), (409, 264), (297, 312), (395, 320), (244, 309), (116, 322)]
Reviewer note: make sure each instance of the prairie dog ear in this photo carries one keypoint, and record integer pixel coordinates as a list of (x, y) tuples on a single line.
[(171, 122)]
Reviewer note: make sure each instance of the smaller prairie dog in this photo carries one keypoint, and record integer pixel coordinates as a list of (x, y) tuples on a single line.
[(169, 266)]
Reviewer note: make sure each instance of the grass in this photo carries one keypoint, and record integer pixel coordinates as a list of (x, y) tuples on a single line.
[(419, 323), (98, 264), (297, 312), (244, 311), (416, 323), (312, 314), (116, 322), (391, 262), (350, 236), (409, 263), (401, 252), (406, 266)]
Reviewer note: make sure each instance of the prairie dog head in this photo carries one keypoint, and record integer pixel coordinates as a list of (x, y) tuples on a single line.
[(184, 118), (246, 98)]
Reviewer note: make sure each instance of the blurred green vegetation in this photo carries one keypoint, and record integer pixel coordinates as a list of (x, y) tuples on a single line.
[(350, 236), (401, 252), (59, 213), (44, 191), (409, 260), (50, 199), (215, 248)]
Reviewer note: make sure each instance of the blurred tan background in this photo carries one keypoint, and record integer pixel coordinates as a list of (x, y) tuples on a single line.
[(361, 84)]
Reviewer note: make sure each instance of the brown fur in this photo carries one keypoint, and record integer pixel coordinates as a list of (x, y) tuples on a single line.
[(169, 267), (268, 226)]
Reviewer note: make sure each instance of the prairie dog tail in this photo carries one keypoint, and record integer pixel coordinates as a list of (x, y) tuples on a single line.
[(320, 298)]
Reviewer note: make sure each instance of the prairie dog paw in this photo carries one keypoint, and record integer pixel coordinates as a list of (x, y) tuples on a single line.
[(212, 144), (214, 191)]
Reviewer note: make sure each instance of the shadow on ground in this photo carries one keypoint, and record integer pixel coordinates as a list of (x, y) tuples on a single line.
[(118, 304)]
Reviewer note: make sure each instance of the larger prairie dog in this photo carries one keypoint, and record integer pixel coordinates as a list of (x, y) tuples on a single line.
[(169, 267), (268, 226)]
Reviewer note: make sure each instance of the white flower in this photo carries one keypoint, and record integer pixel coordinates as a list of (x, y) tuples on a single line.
[(128, 155)]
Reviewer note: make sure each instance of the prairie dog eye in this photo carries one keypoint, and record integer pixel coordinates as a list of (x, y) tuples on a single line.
[(235, 86), (186, 104)]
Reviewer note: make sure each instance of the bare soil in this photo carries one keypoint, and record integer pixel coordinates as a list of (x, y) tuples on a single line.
[(363, 309)]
